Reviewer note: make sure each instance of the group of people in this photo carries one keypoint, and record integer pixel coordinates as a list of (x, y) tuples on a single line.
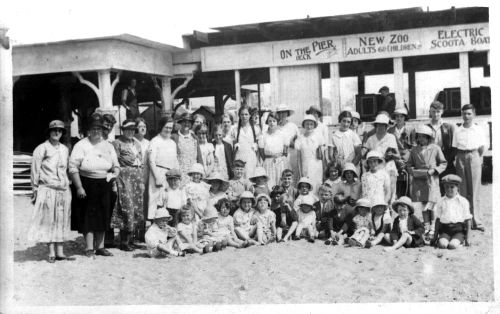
[(195, 190)]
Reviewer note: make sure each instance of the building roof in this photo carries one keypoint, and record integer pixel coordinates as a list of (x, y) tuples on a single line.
[(336, 25)]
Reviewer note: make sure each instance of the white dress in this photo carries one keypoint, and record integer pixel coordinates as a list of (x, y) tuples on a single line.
[(247, 147), (273, 145), (309, 165), (207, 155), (290, 130)]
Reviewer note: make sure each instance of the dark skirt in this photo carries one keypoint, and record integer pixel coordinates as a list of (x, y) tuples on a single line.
[(92, 213)]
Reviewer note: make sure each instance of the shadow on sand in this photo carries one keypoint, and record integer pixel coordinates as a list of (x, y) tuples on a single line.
[(40, 251)]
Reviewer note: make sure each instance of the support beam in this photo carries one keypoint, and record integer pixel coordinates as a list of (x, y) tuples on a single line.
[(463, 61), (335, 90), (177, 90), (237, 88), (106, 100), (412, 104), (275, 85), (166, 95), (89, 84), (399, 83)]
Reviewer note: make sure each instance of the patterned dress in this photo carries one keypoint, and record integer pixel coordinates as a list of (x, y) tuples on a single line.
[(188, 153), (129, 210)]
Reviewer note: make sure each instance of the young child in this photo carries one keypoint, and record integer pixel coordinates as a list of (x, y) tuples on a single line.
[(186, 231), (286, 216), (375, 183), (407, 230), (160, 237), (381, 225), (265, 220), (305, 189), (323, 209), (425, 164), (332, 175), (287, 183), (350, 186), (225, 224), (307, 219), (340, 220), (218, 188), (453, 217), (390, 166), (197, 191), (242, 227), (208, 231), (238, 184), (173, 197), (363, 227), (259, 180)]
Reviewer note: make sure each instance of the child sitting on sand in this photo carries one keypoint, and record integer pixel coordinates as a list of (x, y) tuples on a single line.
[(407, 230), (286, 217), (305, 189), (259, 180), (242, 227), (265, 220), (173, 197), (350, 186), (340, 221), (160, 237), (208, 231), (238, 184), (381, 224), (363, 227), (287, 183), (323, 209), (307, 219), (225, 224), (197, 191), (453, 217), (186, 231)]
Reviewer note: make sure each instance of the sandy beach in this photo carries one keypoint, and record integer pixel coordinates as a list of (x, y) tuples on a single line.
[(293, 272)]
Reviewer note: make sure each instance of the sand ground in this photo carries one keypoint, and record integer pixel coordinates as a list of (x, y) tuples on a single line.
[(293, 272)]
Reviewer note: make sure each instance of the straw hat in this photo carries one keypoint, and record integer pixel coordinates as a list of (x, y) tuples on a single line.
[(216, 176), (451, 179), (425, 130), (313, 109), (162, 213), (381, 119), (402, 111), (259, 172), (310, 117), (363, 202), (404, 200), (262, 195), (284, 107), (96, 120), (56, 124), (350, 167), (173, 173), (196, 168), (247, 195), (305, 180), (209, 213), (374, 154)]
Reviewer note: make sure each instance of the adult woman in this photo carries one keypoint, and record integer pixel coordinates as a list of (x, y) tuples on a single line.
[(162, 155), (128, 214), (345, 142), (358, 126), (273, 148), (404, 134), (141, 131), (307, 145), (92, 163), (289, 130), (206, 149), (381, 140), (227, 125), (187, 146), (244, 138), (51, 219)]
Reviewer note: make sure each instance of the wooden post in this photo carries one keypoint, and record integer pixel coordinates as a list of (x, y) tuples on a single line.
[(399, 87), (166, 93), (275, 85), (237, 88), (412, 103), (463, 59), (335, 90), (6, 195)]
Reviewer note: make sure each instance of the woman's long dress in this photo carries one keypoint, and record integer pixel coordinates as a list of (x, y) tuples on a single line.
[(273, 145), (246, 150), (310, 166)]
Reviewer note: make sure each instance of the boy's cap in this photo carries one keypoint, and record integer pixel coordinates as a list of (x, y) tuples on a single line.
[(162, 213), (452, 179), (173, 173)]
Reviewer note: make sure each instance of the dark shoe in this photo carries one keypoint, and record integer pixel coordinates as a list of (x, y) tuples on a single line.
[(109, 245), (64, 258), (103, 252), (368, 244), (217, 247), (90, 253), (206, 249), (126, 248), (311, 240), (328, 242), (295, 238), (52, 259)]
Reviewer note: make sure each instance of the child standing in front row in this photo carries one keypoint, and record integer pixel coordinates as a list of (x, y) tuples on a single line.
[(286, 216), (160, 237), (225, 223), (242, 227), (265, 220), (363, 227), (197, 191), (173, 197), (307, 219), (407, 230), (323, 209), (238, 184)]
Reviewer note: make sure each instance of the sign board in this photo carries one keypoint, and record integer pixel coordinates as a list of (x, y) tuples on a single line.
[(390, 44)]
